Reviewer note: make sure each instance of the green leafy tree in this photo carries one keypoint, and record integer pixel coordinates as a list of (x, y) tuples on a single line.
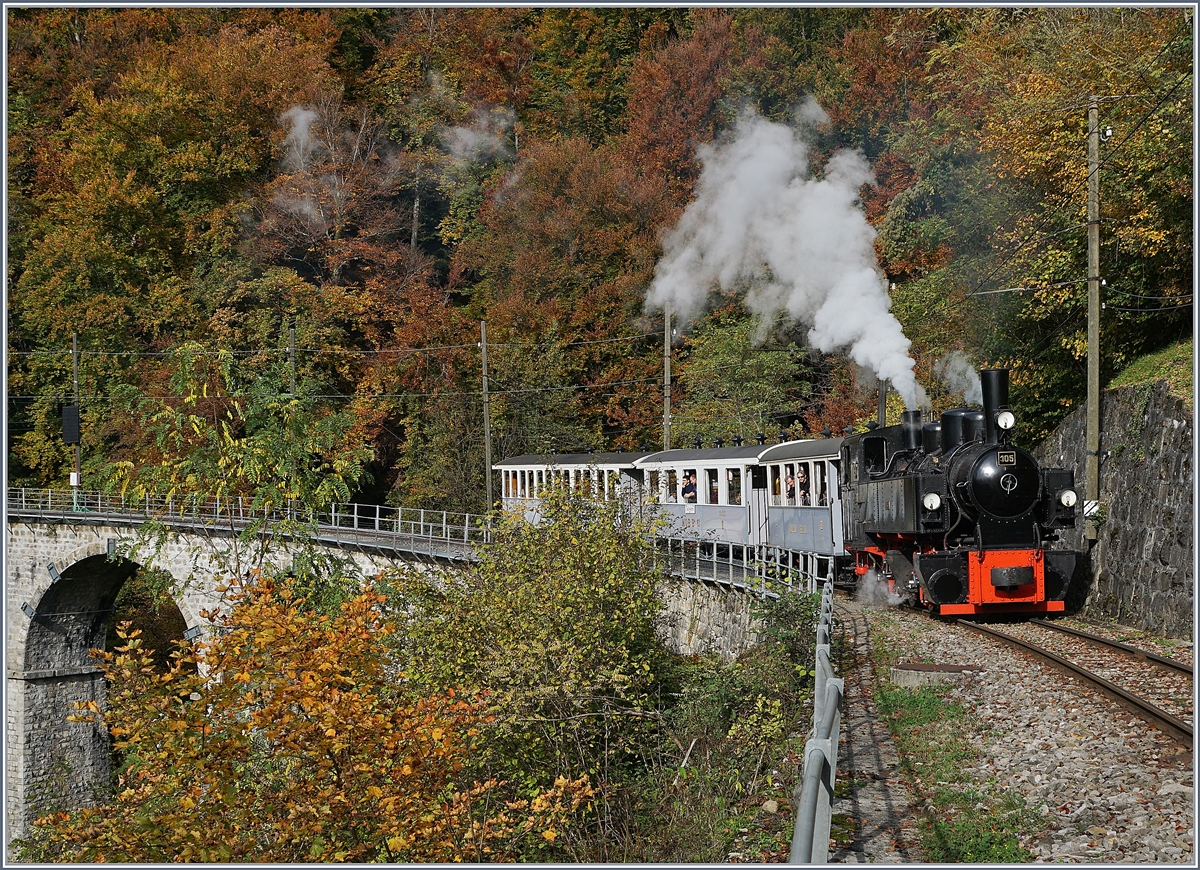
[(273, 460), (556, 629), (736, 381)]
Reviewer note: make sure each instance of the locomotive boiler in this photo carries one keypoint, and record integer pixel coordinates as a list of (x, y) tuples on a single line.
[(954, 515)]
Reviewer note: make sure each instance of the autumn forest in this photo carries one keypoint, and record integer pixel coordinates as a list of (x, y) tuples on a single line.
[(275, 232)]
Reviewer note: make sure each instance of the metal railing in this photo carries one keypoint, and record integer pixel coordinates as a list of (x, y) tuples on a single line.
[(770, 571), (437, 533), (814, 794)]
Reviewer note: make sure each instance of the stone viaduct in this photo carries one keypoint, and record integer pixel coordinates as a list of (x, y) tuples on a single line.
[(66, 561)]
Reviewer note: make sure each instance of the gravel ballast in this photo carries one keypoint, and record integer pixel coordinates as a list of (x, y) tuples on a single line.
[(1109, 787)]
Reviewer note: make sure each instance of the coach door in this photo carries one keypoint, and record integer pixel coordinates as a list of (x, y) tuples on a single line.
[(756, 505)]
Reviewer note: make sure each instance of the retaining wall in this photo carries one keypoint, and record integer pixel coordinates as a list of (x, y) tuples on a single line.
[(703, 618), (1142, 563)]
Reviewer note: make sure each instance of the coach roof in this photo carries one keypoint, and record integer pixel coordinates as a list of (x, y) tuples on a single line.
[(563, 459)]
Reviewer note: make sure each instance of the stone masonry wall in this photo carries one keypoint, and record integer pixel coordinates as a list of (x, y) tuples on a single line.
[(703, 618), (1142, 563)]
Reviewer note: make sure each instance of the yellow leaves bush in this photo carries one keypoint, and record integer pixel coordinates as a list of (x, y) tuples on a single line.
[(290, 771)]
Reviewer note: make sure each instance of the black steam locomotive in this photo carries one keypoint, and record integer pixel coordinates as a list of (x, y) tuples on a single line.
[(956, 517)]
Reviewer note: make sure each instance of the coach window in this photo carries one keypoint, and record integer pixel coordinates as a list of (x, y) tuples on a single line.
[(776, 486), (541, 482), (652, 492), (733, 485), (672, 494), (712, 484), (821, 484), (804, 479), (689, 486), (610, 481)]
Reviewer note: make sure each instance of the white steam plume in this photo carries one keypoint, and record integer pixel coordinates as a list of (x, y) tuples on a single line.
[(873, 591), (485, 136), (298, 145), (960, 376), (801, 245)]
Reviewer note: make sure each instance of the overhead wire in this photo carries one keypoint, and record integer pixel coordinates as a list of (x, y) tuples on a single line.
[(348, 351), (1108, 307)]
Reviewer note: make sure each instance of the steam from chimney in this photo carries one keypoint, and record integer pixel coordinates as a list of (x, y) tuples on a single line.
[(796, 243), (959, 376), (298, 145), (486, 136)]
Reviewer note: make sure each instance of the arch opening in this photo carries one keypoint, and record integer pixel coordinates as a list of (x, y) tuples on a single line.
[(67, 764)]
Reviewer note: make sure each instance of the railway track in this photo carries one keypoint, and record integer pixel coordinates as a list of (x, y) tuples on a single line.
[(1157, 689)]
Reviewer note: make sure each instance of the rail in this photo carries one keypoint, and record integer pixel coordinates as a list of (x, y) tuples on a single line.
[(1161, 719), (443, 534), (1105, 642), (814, 794)]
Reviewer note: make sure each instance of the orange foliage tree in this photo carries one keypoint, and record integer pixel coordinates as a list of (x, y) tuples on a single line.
[(291, 742)]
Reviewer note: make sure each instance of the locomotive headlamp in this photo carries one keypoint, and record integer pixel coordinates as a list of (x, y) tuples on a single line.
[(932, 501), (1006, 420), (1067, 498)]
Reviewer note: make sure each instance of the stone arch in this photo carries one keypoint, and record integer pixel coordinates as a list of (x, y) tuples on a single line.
[(64, 764), (98, 546)]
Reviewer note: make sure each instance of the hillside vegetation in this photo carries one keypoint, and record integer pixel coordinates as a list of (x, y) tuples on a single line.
[(1173, 365), (309, 212)]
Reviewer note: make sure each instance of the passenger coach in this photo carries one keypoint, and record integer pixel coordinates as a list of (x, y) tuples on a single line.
[(759, 503)]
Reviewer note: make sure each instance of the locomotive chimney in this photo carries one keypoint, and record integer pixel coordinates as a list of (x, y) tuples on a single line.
[(994, 383), (911, 422)]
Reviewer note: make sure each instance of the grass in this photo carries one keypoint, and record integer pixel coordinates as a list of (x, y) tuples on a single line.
[(1173, 365), (938, 740)]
